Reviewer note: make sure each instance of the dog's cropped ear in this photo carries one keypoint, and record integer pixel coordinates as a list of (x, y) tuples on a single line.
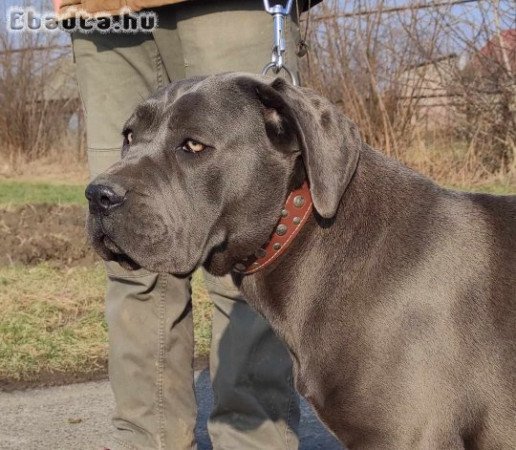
[(330, 143)]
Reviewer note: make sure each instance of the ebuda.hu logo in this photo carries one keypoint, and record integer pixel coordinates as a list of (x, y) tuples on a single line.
[(22, 19)]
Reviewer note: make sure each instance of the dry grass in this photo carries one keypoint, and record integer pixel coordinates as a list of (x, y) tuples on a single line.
[(202, 312), (455, 164), (53, 321), (62, 166)]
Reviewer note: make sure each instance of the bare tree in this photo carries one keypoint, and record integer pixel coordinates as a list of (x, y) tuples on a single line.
[(430, 83), (38, 97)]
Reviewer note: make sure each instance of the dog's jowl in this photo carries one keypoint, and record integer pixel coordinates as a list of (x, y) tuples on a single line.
[(396, 297)]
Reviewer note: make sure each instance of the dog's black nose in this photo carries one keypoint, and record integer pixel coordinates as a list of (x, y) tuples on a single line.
[(102, 198)]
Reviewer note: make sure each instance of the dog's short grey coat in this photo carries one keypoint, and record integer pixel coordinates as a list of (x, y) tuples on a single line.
[(396, 300)]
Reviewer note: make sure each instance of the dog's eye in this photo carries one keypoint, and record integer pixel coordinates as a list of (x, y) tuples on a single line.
[(192, 146), (128, 137)]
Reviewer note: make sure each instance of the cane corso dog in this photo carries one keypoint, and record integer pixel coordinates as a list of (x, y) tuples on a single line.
[(396, 298)]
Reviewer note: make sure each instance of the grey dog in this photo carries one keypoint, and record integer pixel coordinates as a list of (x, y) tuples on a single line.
[(396, 299)]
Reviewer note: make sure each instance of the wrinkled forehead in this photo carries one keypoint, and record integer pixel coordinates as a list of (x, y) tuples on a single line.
[(220, 106), (199, 112), (219, 101), (221, 91)]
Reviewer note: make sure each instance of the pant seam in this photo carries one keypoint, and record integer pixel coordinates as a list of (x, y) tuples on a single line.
[(161, 363), (159, 68)]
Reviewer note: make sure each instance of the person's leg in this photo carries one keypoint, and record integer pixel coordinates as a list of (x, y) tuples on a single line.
[(225, 36), (255, 403), (149, 316)]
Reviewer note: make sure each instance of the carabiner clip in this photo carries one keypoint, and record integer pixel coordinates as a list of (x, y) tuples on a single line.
[(274, 68), (279, 16)]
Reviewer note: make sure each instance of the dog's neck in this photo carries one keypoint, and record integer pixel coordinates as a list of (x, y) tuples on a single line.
[(293, 215), (346, 251), (283, 291)]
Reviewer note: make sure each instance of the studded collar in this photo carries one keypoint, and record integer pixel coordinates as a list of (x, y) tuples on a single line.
[(294, 214)]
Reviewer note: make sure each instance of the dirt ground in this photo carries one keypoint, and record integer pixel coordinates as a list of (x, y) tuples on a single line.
[(55, 234)]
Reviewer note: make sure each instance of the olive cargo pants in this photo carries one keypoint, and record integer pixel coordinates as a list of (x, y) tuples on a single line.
[(149, 315)]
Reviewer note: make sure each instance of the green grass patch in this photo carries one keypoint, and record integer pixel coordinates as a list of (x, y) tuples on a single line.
[(52, 320), (19, 192)]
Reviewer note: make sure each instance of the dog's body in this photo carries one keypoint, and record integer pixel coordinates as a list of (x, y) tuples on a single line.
[(400, 314), (397, 298)]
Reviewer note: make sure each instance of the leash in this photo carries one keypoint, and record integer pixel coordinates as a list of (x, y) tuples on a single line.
[(279, 15)]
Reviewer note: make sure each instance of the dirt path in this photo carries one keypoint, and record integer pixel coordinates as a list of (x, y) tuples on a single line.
[(67, 417), (53, 233), (77, 417)]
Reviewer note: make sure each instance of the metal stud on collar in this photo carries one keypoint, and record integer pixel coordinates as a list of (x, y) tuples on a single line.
[(299, 201), (293, 215), (281, 230)]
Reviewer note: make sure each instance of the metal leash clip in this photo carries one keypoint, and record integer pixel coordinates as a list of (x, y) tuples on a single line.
[(279, 16)]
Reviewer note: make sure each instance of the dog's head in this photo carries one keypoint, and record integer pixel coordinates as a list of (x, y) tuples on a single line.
[(206, 166)]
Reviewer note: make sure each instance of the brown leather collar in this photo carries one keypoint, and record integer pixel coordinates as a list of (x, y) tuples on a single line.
[(294, 214)]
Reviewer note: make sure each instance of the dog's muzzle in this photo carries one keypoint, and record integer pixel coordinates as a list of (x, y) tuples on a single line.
[(103, 198)]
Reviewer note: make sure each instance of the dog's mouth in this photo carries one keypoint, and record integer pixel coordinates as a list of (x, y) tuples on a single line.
[(110, 245), (118, 255), (109, 250)]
